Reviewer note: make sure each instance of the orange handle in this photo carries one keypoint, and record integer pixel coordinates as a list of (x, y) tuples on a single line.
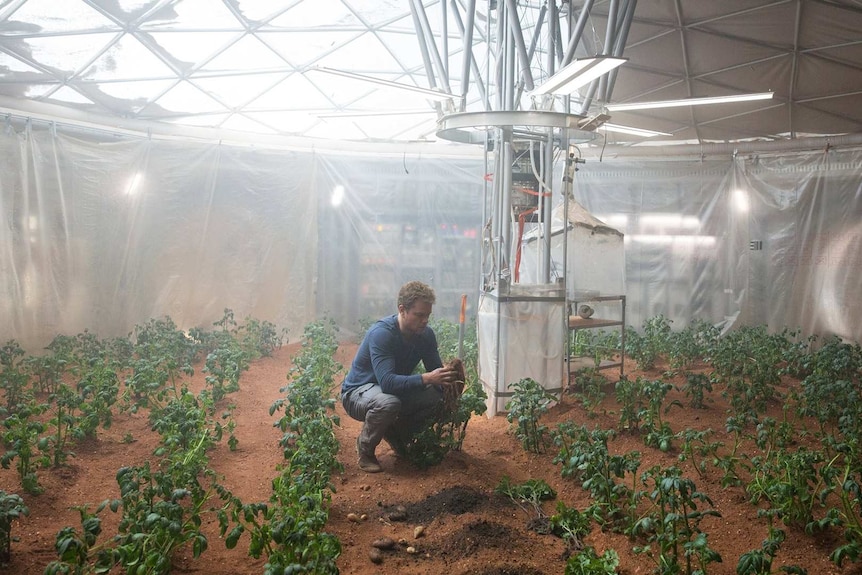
[(463, 308)]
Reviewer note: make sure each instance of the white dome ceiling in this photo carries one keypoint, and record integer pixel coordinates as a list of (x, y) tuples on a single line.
[(260, 66)]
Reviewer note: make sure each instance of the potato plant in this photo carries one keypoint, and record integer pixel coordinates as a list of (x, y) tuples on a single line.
[(630, 397), (65, 404), (529, 402), (676, 542), (22, 435), (99, 389), (164, 355), (13, 378), (447, 432), (589, 385), (657, 431), (528, 495), (691, 345), (698, 449), (584, 457), (11, 507), (571, 526), (588, 562), (759, 561)]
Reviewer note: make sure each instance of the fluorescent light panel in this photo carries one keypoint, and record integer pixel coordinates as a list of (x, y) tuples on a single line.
[(689, 102), (433, 94), (632, 131), (578, 73)]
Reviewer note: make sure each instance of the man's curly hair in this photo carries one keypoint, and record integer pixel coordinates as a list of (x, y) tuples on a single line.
[(414, 291)]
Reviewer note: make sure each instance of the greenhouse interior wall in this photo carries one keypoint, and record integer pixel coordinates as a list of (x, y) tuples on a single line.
[(103, 231)]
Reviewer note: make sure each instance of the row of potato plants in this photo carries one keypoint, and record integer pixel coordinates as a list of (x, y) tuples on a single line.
[(163, 502), (290, 531), (66, 394), (168, 512), (802, 470), (74, 389)]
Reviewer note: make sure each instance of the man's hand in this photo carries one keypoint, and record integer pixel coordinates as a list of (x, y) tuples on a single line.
[(440, 376)]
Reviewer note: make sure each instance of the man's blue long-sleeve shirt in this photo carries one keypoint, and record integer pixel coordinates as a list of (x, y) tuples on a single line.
[(386, 357)]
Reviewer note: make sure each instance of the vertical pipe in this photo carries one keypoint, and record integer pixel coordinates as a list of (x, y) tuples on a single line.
[(497, 219), (509, 69), (546, 204), (568, 178), (444, 24), (552, 25), (501, 61), (506, 211), (508, 152)]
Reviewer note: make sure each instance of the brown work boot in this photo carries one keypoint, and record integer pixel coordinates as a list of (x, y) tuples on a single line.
[(367, 461)]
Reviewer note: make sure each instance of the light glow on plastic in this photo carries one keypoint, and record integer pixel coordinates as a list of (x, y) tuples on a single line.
[(619, 221), (134, 185), (337, 196), (678, 240), (740, 201), (664, 221)]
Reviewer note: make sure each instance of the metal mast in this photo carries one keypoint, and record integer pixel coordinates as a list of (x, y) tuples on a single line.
[(523, 132)]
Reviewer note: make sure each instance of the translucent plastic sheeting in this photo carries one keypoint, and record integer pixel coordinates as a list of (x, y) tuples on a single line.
[(385, 220), (87, 244), (104, 234), (105, 231), (756, 240)]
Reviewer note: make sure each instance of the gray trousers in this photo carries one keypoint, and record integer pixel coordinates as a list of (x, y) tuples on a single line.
[(388, 416)]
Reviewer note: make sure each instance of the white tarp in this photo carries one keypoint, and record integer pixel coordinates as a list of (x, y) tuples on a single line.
[(521, 335), (594, 252)]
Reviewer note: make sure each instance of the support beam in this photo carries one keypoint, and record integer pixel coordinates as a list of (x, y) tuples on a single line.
[(427, 45), (520, 46), (469, 60), (577, 32)]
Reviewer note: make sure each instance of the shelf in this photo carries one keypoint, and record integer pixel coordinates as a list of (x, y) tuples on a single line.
[(577, 322), (579, 363)]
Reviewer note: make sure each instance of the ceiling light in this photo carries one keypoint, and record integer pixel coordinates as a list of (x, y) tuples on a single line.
[(433, 94), (689, 102), (632, 131), (578, 73)]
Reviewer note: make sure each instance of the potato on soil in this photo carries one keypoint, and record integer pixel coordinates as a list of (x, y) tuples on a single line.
[(383, 543)]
